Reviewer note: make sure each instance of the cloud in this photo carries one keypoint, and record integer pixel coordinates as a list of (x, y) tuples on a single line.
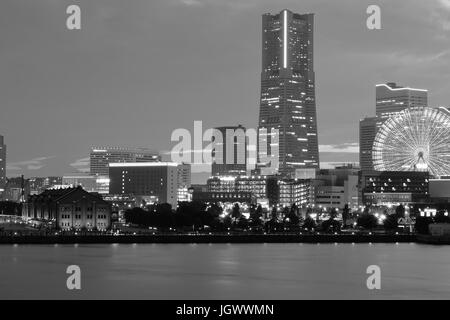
[(445, 4), (192, 2), (81, 165), (33, 164), (11, 167), (332, 165), (233, 4), (349, 147)]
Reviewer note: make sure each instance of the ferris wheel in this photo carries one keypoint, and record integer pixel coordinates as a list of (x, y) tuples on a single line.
[(416, 139)]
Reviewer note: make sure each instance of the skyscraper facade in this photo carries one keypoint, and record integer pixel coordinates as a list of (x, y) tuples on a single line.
[(153, 181), (367, 131), (288, 100), (392, 98), (2, 163), (100, 158), (230, 157)]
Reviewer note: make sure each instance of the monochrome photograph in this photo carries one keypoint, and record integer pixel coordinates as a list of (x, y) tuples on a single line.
[(227, 157)]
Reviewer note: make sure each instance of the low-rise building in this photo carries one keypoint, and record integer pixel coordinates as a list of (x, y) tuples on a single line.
[(70, 208), (335, 188), (439, 229), (394, 187), (271, 189)]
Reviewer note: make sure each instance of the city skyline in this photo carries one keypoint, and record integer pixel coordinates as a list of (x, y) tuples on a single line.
[(176, 149), (36, 151)]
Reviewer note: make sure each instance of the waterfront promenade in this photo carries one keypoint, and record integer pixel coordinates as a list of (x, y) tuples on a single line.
[(209, 238)]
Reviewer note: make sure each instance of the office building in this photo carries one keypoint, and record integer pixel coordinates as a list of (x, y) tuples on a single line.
[(393, 187), (2, 164), (288, 99), (152, 181), (368, 128), (335, 188), (229, 157), (392, 99), (101, 157), (184, 182), (184, 175), (270, 189)]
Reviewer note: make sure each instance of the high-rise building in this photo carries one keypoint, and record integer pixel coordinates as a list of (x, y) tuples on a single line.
[(184, 175), (230, 156), (2, 164), (392, 98), (184, 182), (288, 99), (100, 158), (153, 181), (368, 128)]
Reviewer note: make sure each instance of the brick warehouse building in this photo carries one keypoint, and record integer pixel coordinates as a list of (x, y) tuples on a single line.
[(70, 208)]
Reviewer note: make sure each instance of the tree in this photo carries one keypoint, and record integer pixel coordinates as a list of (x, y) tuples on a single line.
[(242, 223), (331, 225), (137, 216), (400, 211), (227, 222), (345, 215), (422, 224), (10, 208), (391, 222), (291, 218), (285, 213), (165, 216), (309, 223), (255, 216), (441, 217), (274, 213), (236, 212), (333, 213), (367, 221)]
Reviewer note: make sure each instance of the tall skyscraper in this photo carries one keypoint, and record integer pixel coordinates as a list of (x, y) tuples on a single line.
[(288, 99), (2, 163), (367, 131), (232, 152), (392, 98), (100, 158), (184, 174)]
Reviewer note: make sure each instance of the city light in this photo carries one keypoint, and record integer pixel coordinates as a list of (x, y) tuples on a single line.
[(285, 39)]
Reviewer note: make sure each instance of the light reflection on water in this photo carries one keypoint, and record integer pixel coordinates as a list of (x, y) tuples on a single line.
[(224, 271)]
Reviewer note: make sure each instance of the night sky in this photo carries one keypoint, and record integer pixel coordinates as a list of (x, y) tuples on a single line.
[(139, 69)]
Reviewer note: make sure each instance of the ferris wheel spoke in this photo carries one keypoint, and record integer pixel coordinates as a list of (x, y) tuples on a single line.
[(412, 137)]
